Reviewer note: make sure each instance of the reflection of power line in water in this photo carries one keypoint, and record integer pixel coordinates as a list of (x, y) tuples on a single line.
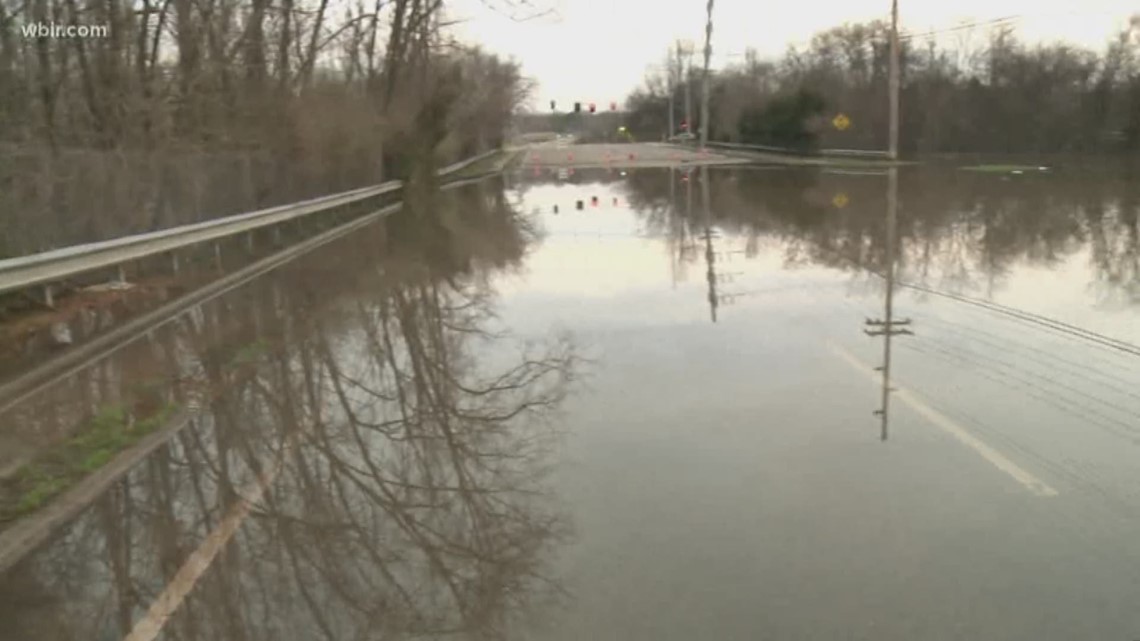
[(987, 360), (1108, 423), (1054, 397), (1050, 381), (1081, 476), (1036, 319), (1058, 327), (1082, 408), (1005, 344)]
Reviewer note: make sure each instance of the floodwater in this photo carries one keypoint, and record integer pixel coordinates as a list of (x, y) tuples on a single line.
[(641, 406)]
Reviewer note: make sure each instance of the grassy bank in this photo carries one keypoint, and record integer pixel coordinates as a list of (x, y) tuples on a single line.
[(55, 470)]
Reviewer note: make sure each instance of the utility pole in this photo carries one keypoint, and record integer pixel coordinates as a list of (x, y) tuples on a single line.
[(674, 76), (894, 81), (705, 78), (888, 327), (688, 72)]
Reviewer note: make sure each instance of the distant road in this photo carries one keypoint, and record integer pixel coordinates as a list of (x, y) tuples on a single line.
[(619, 155)]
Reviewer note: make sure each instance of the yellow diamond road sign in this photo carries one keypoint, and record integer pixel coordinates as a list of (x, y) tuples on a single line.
[(840, 200), (841, 122)]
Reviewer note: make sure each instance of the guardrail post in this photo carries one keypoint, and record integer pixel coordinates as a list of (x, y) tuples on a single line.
[(49, 296), (277, 234), (218, 255), (121, 274), (174, 262), (249, 242)]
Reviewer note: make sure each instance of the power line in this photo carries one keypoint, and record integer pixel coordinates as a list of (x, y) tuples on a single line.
[(910, 35), (1004, 21), (997, 22)]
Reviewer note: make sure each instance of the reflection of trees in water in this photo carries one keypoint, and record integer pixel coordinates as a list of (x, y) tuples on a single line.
[(957, 231), (411, 501), (1116, 255)]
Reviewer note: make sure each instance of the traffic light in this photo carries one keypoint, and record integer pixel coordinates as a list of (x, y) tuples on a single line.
[(580, 205), (613, 106), (577, 107), (684, 125), (552, 105), (594, 201), (593, 107)]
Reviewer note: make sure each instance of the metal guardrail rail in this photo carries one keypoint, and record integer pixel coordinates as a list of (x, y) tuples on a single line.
[(57, 265), (746, 147), (463, 164), (859, 153)]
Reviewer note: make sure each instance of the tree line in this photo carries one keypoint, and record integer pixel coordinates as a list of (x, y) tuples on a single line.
[(1003, 96), (305, 96)]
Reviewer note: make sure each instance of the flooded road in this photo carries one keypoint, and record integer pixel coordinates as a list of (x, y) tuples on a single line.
[(640, 404)]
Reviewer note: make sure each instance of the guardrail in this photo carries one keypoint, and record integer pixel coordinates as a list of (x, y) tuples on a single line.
[(858, 153), (796, 152), (56, 265), (747, 147), (462, 164)]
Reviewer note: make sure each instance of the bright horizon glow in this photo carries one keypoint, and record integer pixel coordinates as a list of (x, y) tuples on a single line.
[(584, 52)]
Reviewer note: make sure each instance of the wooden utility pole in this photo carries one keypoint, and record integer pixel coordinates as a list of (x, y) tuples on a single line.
[(689, 86), (894, 81), (674, 68), (705, 79)]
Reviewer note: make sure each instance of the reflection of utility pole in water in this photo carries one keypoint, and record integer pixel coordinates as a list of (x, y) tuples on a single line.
[(888, 327), (710, 254), (685, 245), (675, 228)]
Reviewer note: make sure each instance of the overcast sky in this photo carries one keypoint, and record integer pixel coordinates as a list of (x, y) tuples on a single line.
[(599, 50)]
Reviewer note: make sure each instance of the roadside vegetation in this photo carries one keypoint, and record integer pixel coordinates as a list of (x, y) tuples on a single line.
[(112, 429), (192, 110)]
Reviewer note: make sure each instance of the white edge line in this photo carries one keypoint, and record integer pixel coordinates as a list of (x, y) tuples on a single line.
[(946, 424), (179, 587)]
